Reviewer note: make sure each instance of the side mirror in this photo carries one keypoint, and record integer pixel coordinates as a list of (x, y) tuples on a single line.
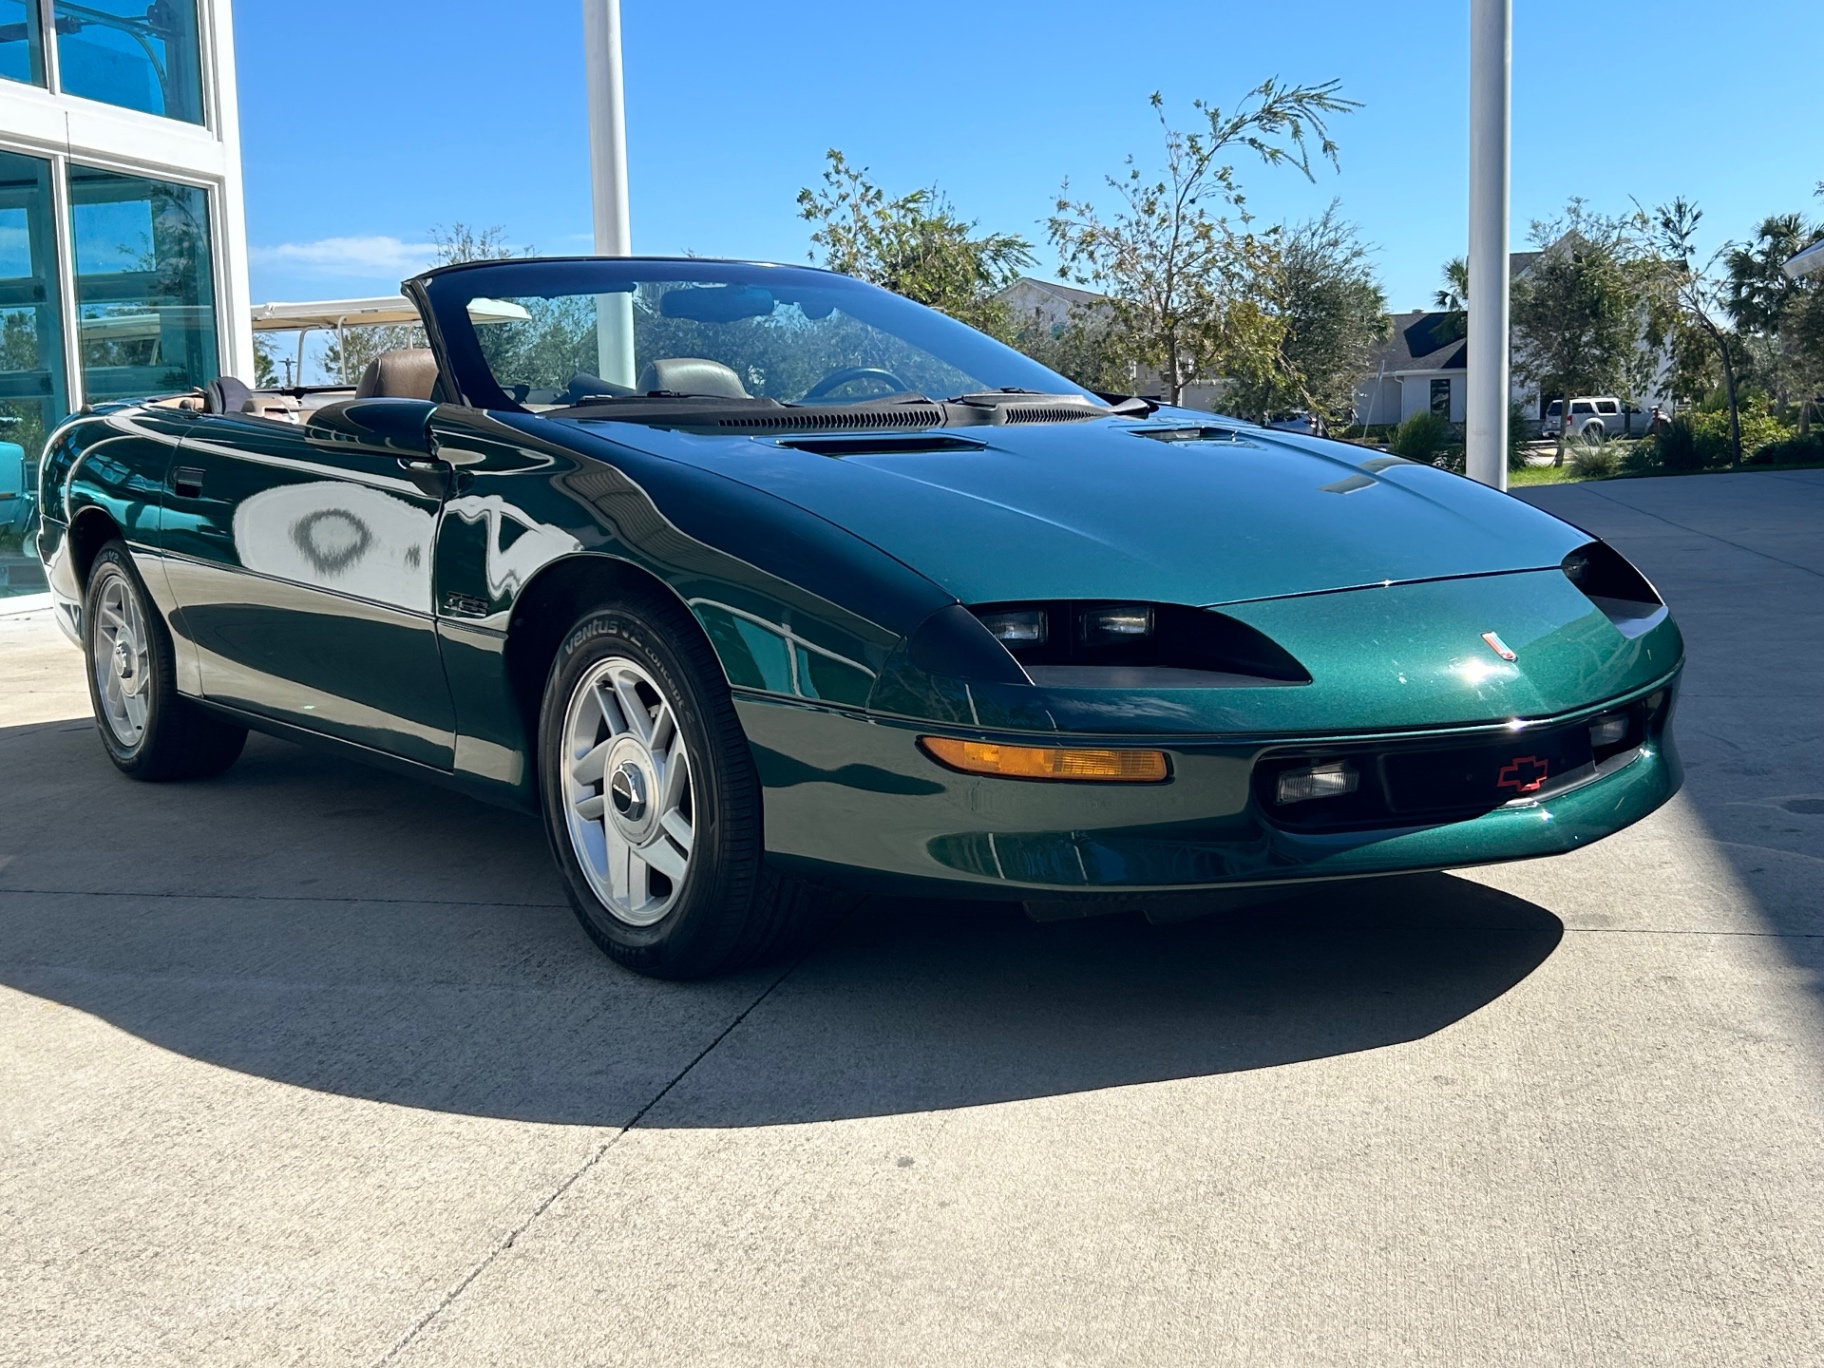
[(398, 427)]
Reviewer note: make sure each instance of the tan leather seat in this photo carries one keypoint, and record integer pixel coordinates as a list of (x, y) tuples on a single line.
[(691, 375), (410, 373)]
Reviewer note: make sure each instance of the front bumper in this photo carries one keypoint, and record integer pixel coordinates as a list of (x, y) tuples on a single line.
[(854, 799)]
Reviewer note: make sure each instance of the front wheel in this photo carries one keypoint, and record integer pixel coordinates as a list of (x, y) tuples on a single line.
[(652, 803), (149, 730)]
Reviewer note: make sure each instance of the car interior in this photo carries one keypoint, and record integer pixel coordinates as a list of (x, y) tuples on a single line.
[(409, 373)]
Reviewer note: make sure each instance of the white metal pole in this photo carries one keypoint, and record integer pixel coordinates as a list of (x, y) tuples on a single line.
[(608, 179), (1490, 106)]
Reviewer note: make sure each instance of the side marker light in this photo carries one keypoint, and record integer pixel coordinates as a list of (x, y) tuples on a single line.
[(1048, 762)]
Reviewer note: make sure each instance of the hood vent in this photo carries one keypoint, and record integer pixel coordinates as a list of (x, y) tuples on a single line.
[(911, 444), (1200, 433)]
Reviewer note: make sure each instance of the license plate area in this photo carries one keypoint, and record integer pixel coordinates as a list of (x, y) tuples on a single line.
[(1416, 782), (1484, 777)]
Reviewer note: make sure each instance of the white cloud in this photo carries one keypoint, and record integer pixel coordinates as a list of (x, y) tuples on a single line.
[(377, 255)]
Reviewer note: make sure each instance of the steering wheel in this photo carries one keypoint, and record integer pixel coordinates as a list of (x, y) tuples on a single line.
[(844, 375)]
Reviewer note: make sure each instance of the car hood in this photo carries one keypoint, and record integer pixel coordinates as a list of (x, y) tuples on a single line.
[(1103, 510)]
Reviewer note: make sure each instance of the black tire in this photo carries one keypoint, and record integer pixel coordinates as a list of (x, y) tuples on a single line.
[(729, 908), (174, 739)]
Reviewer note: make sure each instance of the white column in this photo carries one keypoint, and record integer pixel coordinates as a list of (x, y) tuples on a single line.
[(608, 180), (217, 22), (1490, 104)]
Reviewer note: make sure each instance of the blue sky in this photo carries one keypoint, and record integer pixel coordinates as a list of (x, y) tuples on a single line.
[(367, 123)]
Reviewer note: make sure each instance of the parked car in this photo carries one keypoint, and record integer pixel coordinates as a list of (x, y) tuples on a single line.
[(762, 584), (1593, 419), (1297, 421)]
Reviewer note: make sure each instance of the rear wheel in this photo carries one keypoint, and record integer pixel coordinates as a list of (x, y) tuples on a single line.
[(149, 730), (652, 803)]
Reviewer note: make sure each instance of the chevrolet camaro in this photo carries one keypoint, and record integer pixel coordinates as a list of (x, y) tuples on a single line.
[(766, 586)]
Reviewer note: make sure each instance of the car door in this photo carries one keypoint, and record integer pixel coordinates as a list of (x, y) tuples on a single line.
[(301, 558)]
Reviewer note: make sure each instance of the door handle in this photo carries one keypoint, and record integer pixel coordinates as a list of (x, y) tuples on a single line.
[(187, 482)]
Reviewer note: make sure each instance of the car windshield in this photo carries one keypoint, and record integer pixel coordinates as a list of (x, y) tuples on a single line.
[(545, 335)]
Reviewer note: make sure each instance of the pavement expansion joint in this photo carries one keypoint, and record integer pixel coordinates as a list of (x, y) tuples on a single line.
[(507, 1242), (1690, 931), (1699, 532)]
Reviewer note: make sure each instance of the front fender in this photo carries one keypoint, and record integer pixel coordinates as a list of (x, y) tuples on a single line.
[(792, 604)]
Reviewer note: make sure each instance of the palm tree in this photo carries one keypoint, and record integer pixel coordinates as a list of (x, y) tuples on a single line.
[(1454, 297)]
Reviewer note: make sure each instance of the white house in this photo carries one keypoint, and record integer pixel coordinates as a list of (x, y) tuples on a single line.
[(1423, 364)]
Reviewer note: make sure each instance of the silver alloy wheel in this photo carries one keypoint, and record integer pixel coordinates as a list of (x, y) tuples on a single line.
[(627, 791), (122, 660)]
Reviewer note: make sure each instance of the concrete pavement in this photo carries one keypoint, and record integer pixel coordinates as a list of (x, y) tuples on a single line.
[(309, 1064)]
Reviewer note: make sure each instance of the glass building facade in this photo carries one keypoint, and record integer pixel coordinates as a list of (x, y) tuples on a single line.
[(144, 57), (145, 292), (140, 57), (33, 395), (122, 246)]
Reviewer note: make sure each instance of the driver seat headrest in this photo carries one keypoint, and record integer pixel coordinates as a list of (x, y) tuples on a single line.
[(409, 373), (691, 375)]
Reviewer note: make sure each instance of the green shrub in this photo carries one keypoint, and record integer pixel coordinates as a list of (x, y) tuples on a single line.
[(1519, 424), (1592, 460), (1794, 450), (1710, 427), (1642, 458), (1677, 447), (1422, 437)]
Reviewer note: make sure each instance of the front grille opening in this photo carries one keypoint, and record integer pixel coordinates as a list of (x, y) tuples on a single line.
[(1354, 788)]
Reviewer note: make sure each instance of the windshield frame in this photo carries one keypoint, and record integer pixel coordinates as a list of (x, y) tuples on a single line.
[(443, 296)]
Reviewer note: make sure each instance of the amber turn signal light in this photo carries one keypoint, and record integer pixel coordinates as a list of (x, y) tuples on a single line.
[(1048, 762)]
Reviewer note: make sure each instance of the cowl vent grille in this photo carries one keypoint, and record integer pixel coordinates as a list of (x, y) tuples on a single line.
[(1045, 413), (907, 417)]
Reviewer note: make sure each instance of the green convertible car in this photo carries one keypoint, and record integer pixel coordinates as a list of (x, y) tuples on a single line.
[(763, 584)]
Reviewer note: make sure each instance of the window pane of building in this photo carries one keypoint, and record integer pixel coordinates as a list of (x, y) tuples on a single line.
[(21, 42), (1440, 398), (145, 284), (32, 392), (129, 53)]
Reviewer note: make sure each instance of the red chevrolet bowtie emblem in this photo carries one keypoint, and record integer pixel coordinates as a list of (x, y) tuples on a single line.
[(1523, 774)]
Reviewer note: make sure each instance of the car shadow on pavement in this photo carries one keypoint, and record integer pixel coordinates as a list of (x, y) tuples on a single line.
[(414, 954), (919, 1006)]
